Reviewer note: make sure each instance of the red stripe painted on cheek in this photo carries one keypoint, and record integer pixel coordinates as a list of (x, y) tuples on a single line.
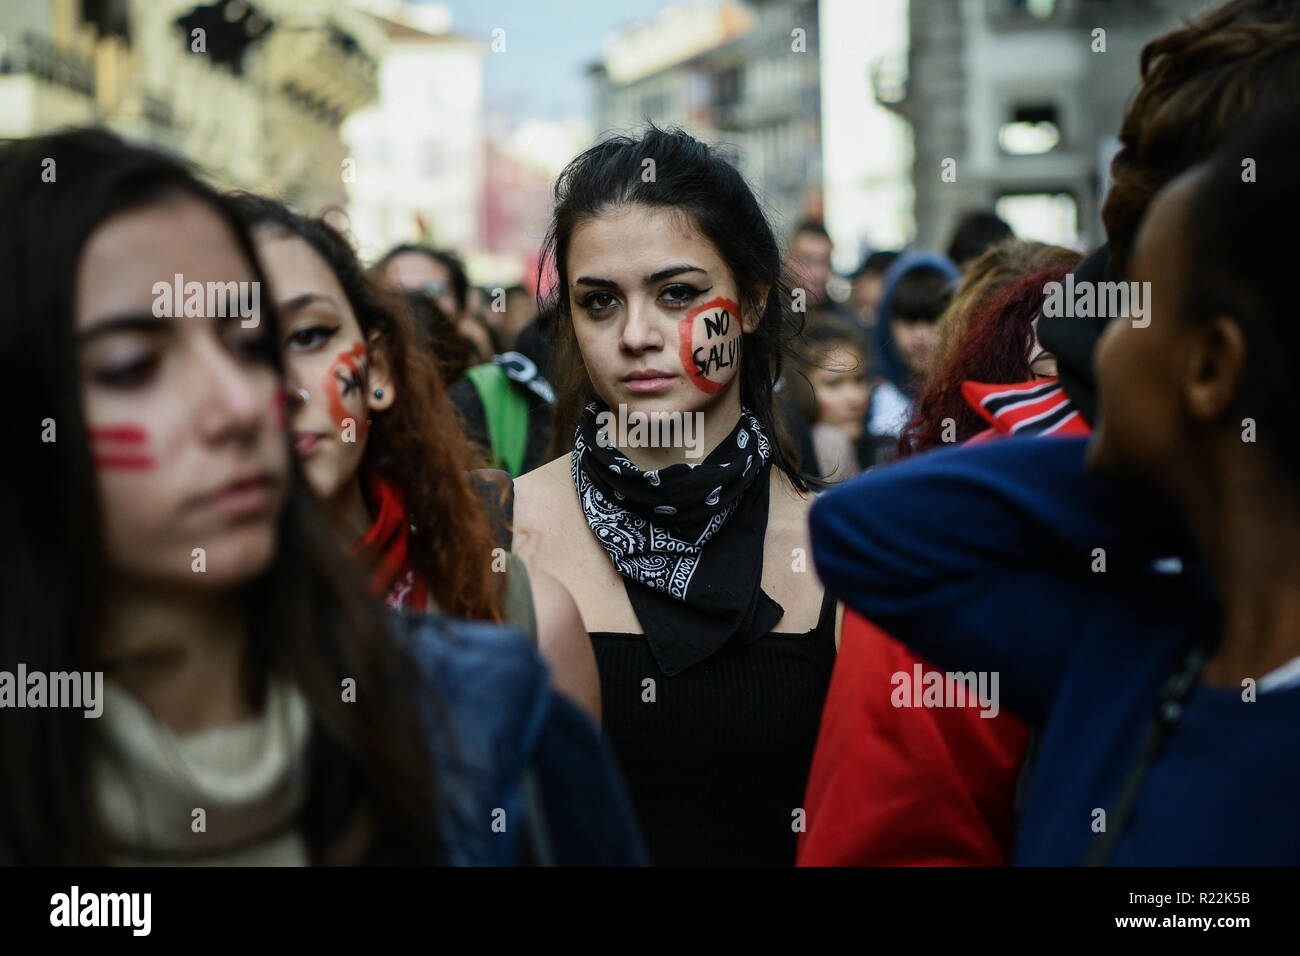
[(132, 434), (120, 447), (123, 462)]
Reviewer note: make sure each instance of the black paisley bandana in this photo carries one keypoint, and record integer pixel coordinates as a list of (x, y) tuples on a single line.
[(687, 539)]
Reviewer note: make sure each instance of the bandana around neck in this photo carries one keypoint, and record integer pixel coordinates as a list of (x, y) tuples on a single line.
[(687, 539)]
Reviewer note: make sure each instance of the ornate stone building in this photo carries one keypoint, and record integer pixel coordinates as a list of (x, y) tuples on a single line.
[(254, 92)]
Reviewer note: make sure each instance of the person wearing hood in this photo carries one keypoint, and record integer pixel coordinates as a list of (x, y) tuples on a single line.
[(916, 291)]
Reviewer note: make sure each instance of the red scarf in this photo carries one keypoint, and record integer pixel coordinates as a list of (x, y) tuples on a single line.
[(1040, 407), (382, 549)]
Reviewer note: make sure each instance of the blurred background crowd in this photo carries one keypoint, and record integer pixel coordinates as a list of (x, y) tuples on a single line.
[(431, 134)]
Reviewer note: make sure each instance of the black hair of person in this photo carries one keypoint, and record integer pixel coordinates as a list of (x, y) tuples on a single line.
[(438, 335), (308, 617), (695, 180), (877, 263), (1236, 265), (811, 227), (456, 268), (975, 232), (921, 295)]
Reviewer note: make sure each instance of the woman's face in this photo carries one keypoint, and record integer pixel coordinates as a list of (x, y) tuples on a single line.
[(841, 390), (655, 310), (423, 273), (331, 371), (1042, 363), (185, 415)]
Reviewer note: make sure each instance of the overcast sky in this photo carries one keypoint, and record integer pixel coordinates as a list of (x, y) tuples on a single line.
[(549, 44)]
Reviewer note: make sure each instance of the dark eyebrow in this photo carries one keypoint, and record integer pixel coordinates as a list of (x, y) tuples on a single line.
[(649, 280), (299, 302), (138, 322)]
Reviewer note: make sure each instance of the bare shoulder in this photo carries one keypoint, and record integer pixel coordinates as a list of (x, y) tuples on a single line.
[(788, 506), (787, 564), (542, 497), (544, 482), (563, 642)]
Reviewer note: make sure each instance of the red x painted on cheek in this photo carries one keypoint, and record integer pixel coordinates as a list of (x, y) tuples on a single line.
[(120, 447), (346, 375)]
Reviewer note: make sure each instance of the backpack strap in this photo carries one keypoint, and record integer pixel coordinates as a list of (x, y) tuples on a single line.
[(496, 491), (505, 410), (518, 606)]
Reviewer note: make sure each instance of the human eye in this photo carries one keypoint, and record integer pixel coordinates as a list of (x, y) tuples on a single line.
[(597, 303), (679, 294), (128, 371), (309, 337)]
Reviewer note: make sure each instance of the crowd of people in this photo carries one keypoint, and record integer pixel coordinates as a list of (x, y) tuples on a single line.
[(368, 583)]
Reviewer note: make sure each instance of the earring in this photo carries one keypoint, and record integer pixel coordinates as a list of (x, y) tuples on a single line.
[(302, 395), (379, 393)]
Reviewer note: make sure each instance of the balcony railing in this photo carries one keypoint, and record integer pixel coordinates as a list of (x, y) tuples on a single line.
[(39, 57)]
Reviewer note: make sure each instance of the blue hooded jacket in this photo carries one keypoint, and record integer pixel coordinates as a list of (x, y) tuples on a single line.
[(523, 776), (889, 362)]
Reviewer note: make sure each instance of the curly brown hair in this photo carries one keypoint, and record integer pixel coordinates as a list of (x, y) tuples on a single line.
[(995, 350), (998, 268), (1197, 83), (417, 444)]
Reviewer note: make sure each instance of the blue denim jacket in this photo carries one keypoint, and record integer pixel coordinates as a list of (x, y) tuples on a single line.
[(523, 775)]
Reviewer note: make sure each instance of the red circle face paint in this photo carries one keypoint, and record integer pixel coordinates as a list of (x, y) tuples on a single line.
[(710, 336)]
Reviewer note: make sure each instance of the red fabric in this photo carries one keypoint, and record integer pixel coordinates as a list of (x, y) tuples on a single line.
[(382, 549), (905, 786), (1031, 416)]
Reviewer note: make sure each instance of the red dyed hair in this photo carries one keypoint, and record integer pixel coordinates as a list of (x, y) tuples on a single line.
[(995, 351)]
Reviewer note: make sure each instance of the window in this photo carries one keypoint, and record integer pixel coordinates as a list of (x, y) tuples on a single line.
[(1046, 217), (1032, 130)]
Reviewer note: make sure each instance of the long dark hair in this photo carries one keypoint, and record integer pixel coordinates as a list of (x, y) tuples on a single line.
[(417, 444), (694, 179), (307, 616)]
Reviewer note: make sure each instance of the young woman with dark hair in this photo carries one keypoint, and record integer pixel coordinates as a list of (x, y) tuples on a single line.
[(714, 641), (161, 537), (380, 444)]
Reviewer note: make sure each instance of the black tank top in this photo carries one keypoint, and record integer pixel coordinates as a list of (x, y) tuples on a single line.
[(716, 758)]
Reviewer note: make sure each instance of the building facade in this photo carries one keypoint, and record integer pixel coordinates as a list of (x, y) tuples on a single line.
[(253, 92), (419, 148), (1014, 105), (747, 80)]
